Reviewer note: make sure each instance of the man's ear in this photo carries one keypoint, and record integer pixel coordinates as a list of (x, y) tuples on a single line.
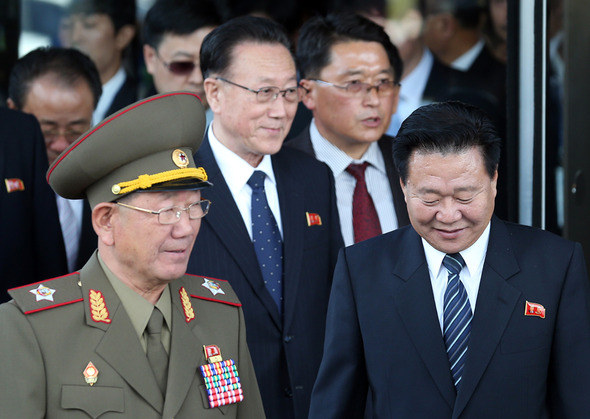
[(10, 104), (214, 93), (124, 36), (102, 222), (149, 57), (401, 183), (307, 97)]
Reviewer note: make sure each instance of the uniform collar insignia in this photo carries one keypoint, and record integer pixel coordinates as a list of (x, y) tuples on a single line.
[(187, 307)]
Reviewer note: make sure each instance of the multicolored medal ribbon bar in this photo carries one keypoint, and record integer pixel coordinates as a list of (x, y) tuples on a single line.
[(221, 379)]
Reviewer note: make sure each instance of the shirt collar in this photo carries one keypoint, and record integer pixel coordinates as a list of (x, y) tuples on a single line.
[(138, 308), (236, 171), (337, 159), (109, 91), (473, 255), (465, 61)]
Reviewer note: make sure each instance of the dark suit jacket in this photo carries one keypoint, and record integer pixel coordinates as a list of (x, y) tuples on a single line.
[(29, 240), (286, 352), (303, 142), (125, 96), (45, 346), (382, 330)]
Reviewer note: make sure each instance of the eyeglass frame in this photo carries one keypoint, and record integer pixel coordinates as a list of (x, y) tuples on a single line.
[(277, 91), (178, 210), (170, 65), (367, 89)]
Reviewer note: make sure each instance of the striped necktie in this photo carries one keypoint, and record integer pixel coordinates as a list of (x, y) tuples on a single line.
[(457, 317)]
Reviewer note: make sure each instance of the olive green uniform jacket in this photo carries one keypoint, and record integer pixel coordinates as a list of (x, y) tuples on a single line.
[(46, 345)]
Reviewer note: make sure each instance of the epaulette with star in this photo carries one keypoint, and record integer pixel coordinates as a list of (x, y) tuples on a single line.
[(212, 289), (51, 293)]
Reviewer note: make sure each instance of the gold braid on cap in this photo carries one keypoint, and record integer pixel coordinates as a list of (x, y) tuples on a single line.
[(146, 181)]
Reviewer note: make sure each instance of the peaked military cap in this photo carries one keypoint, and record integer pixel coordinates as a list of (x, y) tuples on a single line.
[(146, 146)]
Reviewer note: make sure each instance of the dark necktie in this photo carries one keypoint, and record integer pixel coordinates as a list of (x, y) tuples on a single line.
[(365, 221), (266, 239), (156, 354), (457, 317)]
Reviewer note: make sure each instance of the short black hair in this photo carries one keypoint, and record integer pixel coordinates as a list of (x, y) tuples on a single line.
[(121, 12), (446, 127), (469, 13), (68, 64), (319, 34), (177, 17), (218, 45)]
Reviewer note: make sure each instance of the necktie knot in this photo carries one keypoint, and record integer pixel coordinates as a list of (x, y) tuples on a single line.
[(454, 263), (155, 322), (256, 181), (357, 170)]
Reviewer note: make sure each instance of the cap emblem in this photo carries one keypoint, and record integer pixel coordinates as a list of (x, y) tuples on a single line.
[(180, 158)]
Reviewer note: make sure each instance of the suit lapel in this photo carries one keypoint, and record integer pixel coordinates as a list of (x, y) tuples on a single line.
[(291, 200), (226, 222), (495, 304), (415, 305), (185, 357), (119, 347)]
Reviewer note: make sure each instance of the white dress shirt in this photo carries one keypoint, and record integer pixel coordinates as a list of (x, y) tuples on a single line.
[(375, 176), (465, 61), (412, 91), (470, 276), (77, 207), (236, 172), (109, 91)]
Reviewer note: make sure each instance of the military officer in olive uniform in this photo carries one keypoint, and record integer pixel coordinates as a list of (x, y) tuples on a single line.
[(130, 335)]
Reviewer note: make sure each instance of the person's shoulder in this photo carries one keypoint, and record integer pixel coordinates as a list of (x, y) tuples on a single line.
[(49, 294), (534, 237), (208, 289), (299, 163)]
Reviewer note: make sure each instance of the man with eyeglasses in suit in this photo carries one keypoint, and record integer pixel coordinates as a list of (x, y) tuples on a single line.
[(350, 74), (173, 32), (251, 86)]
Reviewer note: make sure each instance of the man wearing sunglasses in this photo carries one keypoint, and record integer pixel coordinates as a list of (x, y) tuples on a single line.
[(350, 74), (274, 232), (173, 32), (130, 335)]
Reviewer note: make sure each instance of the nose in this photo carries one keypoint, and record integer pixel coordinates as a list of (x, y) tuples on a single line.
[(279, 107), (195, 76), (448, 211), (185, 226), (372, 96), (75, 32), (58, 143)]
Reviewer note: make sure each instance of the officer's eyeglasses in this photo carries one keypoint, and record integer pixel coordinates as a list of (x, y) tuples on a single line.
[(269, 93), (171, 215), (179, 68), (357, 88)]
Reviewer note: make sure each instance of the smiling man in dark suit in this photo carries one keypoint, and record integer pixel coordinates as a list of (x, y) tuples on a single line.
[(281, 268), (350, 73), (459, 315)]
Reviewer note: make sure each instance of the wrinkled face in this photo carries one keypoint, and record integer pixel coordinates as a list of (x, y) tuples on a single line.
[(64, 113), (175, 53), (146, 250), (344, 118), (450, 198), (94, 35), (247, 127)]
